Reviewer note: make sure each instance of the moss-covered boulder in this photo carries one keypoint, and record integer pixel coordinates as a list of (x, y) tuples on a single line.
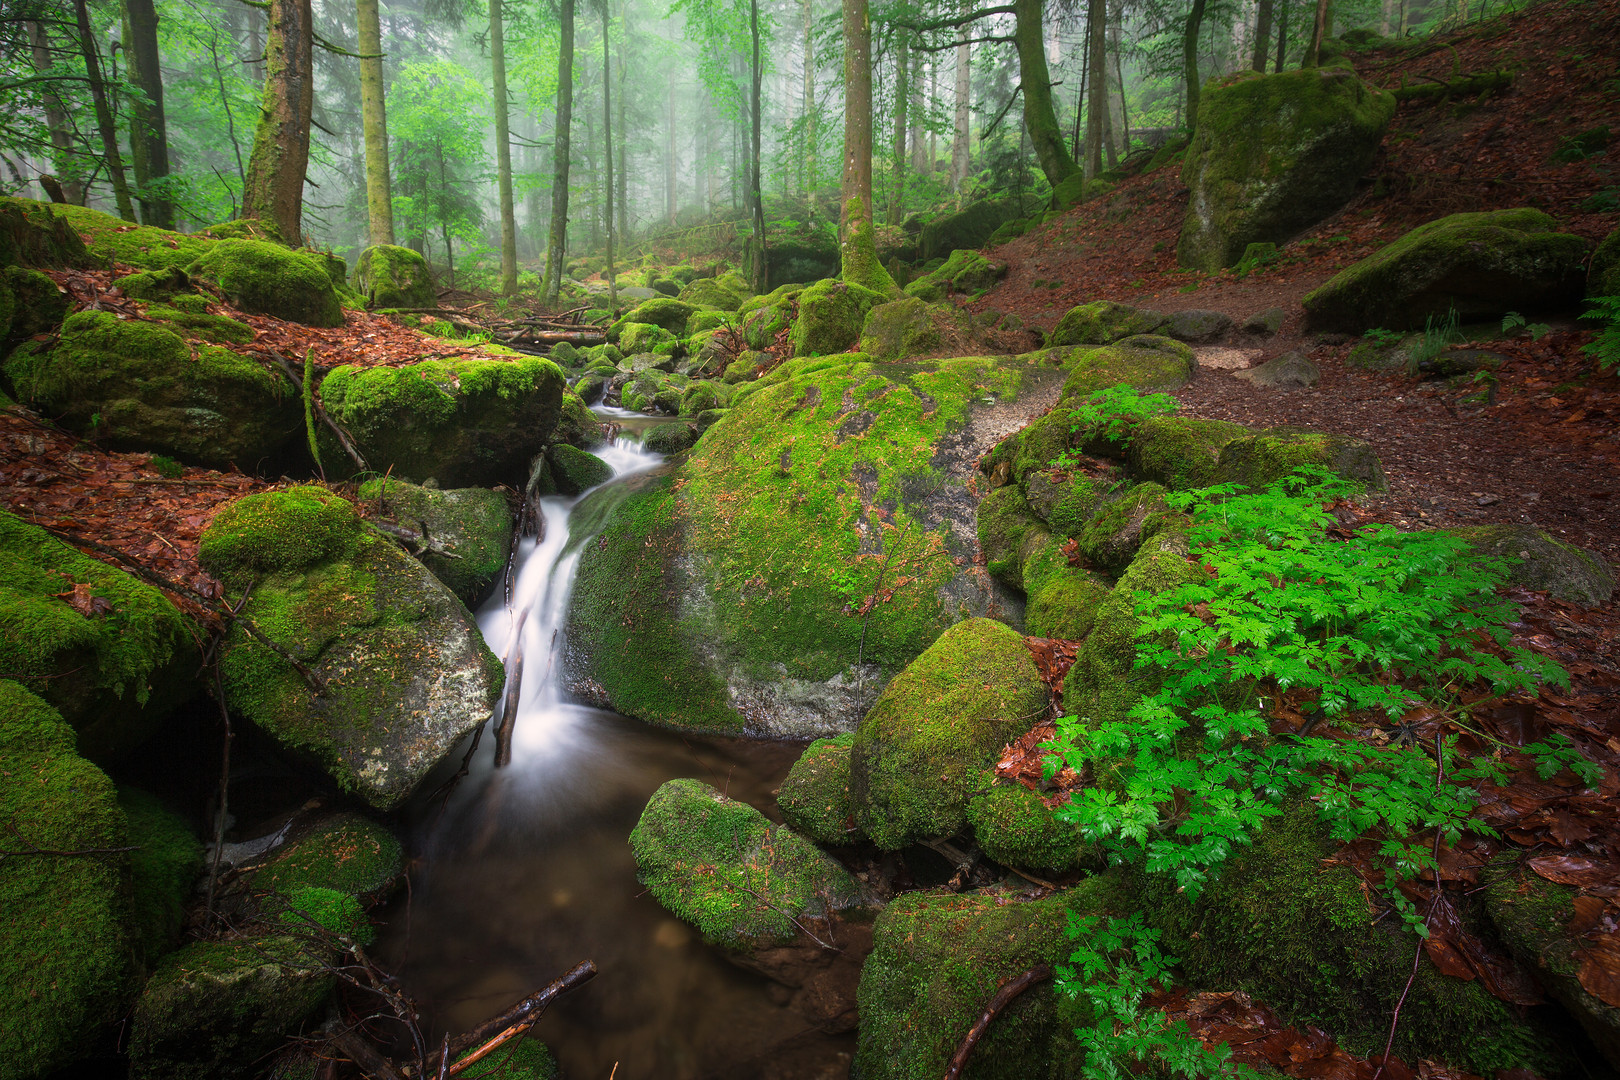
[(908, 327), (1257, 460), (1179, 453), (201, 325), (64, 936), (1273, 155), (969, 228), (642, 338), (214, 1008), (577, 425), (1478, 265), (725, 293), (110, 238), (918, 754), (389, 276), (37, 304), (1065, 605), (664, 312), (763, 318), (32, 234), (703, 396), (670, 439), (1603, 275), (164, 867), (1006, 528), (814, 798), (575, 470), (1016, 828), (1103, 322), (721, 866), (103, 648), (346, 852), (1064, 500), (1197, 325), (401, 670), (462, 535), (966, 271), (831, 314), (938, 959), (138, 385), (267, 279), (463, 422), (1147, 362), (1543, 562), (1122, 525)]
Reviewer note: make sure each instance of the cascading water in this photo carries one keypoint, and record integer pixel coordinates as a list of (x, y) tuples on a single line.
[(526, 869)]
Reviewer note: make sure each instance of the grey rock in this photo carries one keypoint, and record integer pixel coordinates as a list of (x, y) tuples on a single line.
[(1267, 322), (1197, 326), (1290, 371)]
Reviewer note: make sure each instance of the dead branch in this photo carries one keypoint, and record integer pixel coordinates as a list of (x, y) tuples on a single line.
[(1004, 996), (362, 1054), (525, 1013), (321, 413), (514, 688), (33, 849)]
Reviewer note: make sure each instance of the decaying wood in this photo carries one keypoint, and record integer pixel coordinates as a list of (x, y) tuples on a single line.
[(1004, 996), (1462, 87), (364, 1055), (525, 1014), (514, 687)]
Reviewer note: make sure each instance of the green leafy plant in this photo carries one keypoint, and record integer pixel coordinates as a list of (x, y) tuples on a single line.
[(1514, 321), (1115, 412), (1381, 337), (1605, 347), (1436, 336), (167, 467)]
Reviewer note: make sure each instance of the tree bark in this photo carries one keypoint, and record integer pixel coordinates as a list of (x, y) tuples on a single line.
[(962, 144), (374, 122), (104, 116), (503, 147), (1189, 61), (1282, 36), (557, 240), (807, 175), (149, 137), (1313, 54), (1039, 119), (607, 157), (622, 194), (756, 198), (857, 251), (902, 94), (671, 164), (1097, 84), (274, 190), (1262, 35), (56, 121)]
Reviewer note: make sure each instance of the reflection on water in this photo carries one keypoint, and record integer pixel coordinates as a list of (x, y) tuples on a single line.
[(527, 870)]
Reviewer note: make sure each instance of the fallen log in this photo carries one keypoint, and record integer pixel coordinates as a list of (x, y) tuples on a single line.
[(1462, 86), (572, 337)]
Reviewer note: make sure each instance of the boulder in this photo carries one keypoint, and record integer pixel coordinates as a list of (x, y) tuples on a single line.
[(808, 254), (403, 671), (267, 279), (764, 317), (965, 271), (576, 470), (668, 314), (163, 873), (394, 277), (1197, 326), (917, 756), (1259, 459), (36, 305), (703, 396), (462, 535), (345, 852), (640, 338), (1147, 362), (908, 327), (744, 883), (1123, 524), (1179, 452), (814, 799), (724, 293), (1290, 371), (1603, 276), (671, 438), (577, 425), (968, 229), (104, 649), (1265, 323), (831, 314), (139, 386), (1063, 605), (1476, 265), (1064, 500), (463, 422), (1007, 528), (32, 234), (1544, 562), (1015, 828), (1273, 155), (1103, 322)]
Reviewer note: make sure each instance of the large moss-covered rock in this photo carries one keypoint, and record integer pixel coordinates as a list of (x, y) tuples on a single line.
[(665, 312), (64, 937), (214, 1008), (969, 228), (164, 868), (1543, 562), (37, 304), (1146, 362), (108, 238), (724, 293), (965, 271), (403, 670), (721, 866), (1273, 155), (908, 327), (831, 314), (731, 595), (814, 798), (268, 279), (31, 234), (465, 533), (806, 254), (918, 754), (1257, 460), (577, 425), (576, 470), (1122, 525), (1179, 452), (637, 338), (114, 665), (346, 852), (1478, 265), (137, 385), (764, 317), (1005, 527), (1103, 322), (462, 422), (394, 277)]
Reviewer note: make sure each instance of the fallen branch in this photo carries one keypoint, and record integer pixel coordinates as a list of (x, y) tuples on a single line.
[(514, 689), (1004, 996), (1465, 86), (525, 1013), (331, 425)]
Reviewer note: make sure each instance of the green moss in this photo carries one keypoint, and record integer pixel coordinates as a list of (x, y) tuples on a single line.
[(1103, 322), (1005, 523), (918, 753), (346, 852), (1543, 562), (905, 328), (1257, 460), (268, 279), (1015, 828), (1065, 607), (202, 326), (470, 529), (966, 271), (702, 396), (814, 798), (1178, 452), (163, 872), (154, 285), (107, 237), (670, 439), (112, 675), (577, 425), (576, 470), (721, 294), (646, 338), (246, 229), (31, 234), (521, 1059), (284, 531), (38, 305), (702, 322), (764, 317), (1136, 361), (1116, 532), (721, 866), (859, 265), (968, 229), (63, 937), (334, 912), (664, 312), (1065, 501), (394, 277)]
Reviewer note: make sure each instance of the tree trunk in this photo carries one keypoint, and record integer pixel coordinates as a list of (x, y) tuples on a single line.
[(808, 161), (1262, 35), (1111, 41), (671, 165), (68, 172), (1313, 54), (444, 222), (756, 198), (374, 120), (1282, 36), (1189, 61), (503, 149), (962, 144), (914, 112), (104, 116), (1039, 119), (857, 252), (149, 137), (274, 190), (902, 93), (1096, 84), (557, 239), (622, 194), (607, 158), (1119, 80)]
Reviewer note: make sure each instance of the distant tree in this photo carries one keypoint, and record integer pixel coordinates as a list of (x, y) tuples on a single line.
[(857, 250), (148, 134), (557, 239), (374, 125), (503, 149), (439, 161)]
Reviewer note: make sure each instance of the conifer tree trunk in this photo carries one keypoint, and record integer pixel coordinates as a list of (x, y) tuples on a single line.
[(607, 158), (857, 251), (1313, 54), (56, 121), (274, 190), (503, 149), (557, 239), (149, 137), (756, 196), (807, 174), (902, 94), (1039, 119), (962, 143), (1262, 36), (1189, 61), (1097, 84), (374, 121), (104, 116), (622, 195), (1282, 36)]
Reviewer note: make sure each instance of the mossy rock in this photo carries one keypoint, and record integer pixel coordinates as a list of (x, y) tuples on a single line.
[(154, 285), (267, 279), (917, 755), (214, 1008), (1273, 155), (469, 531), (246, 229), (38, 306), (403, 669), (1301, 937), (576, 470), (1065, 606), (1255, 461), (1478, 265), (666, 401), (110, 238), (390, 276), (346, 852), (814, 799), (1015, 828), (703, 396), (31, 234), (1064, 500), (767, 315), (966, 271), (1603, 276), (722, 294), (1122, 525), (906, 328), (968, 229), (577, 425), (164, 867), (114, 673), (937, 959), (464, 422), (1136, 361), (1178, 452), (830, 317), (1103, 322), (139, 386), (1005, 523), (1543, 562), (646, 338), (721, 866), (65, 935), (666, 313), (524, 1059), (1197, 325), (743, 368), (202, 326), (669, 439)]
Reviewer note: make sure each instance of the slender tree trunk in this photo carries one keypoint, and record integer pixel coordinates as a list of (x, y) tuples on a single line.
[(374, 120), (622, 195), (557, 239), (104, 116), (962, 144), (1313, 54), (607, 158), (1111, 41), (68, 170), (503, 149), (671, 165), (1282, 35), (931, 158), (149, 137), (914, 116), (1262, 35), (807, 163), (756, 198), (1189, 61), (1039, 119), (274, 190), (1119, 81), (1096, 84), (1080, 95), (444, 218), (902, 92), (857, 251)]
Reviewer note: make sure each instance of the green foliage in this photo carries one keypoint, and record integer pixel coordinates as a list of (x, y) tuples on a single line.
[(1112, 415), (1605, 347), (1381, 337), (167, 467), (1436, 336), (1514, 321), (436, 130)]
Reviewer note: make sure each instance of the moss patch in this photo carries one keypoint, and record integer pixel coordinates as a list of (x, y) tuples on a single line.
[(1179, 453), (830, 317), (470, 530), (346, 852), (394, 277), (1103, 322), (273, 531), (163, 872), (108, 237), (1015, 828), (815, 797), (1259, 459), (268, 279)]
